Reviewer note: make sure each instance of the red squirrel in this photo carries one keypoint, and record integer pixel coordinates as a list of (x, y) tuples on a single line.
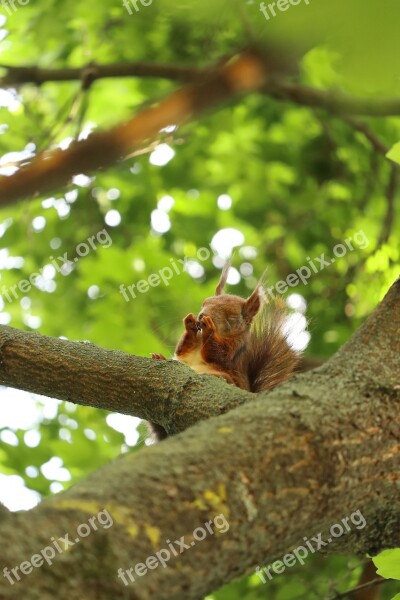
[(240, 340)]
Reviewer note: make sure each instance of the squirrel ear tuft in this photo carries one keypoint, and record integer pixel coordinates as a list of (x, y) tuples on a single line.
[(252, 305), (221, 284)]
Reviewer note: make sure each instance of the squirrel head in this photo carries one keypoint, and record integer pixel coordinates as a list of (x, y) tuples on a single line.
[(231, 314)]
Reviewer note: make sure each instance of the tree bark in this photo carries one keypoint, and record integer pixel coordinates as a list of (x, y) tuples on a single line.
[(283, 466)]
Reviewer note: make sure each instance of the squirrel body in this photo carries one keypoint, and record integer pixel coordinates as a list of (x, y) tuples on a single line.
[(217, 340), (240, 340)]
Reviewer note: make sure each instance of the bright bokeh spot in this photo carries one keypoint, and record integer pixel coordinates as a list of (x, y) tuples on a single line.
[(225, 240), (233, 276), (224, 202), (38, 224), (166, 203), (297, 302), (126, 425), (160, 221), (161, 155), (112, 218), (15, 495)]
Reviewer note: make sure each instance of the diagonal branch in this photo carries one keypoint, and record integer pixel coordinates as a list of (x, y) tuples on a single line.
[(351, 593), (375, 141), (208, 88), (248, 72)]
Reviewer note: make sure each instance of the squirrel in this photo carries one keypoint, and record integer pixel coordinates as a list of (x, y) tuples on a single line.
[(240, 340)]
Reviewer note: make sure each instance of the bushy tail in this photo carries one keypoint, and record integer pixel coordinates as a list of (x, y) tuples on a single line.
[(271, 360)]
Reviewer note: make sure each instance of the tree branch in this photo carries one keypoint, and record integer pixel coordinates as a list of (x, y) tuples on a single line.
[(359, 588), (381, 148), (19, 75), (84, 373), (209, 87), (277, 469), (334, 102), (375, 141), (391, 192), (300, 94), (248, 72)]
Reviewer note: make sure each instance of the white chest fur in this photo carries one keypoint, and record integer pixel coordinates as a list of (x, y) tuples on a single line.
[(195, 361)]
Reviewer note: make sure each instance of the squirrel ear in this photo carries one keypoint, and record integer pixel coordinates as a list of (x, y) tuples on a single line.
[(221, 284), (252, 305)]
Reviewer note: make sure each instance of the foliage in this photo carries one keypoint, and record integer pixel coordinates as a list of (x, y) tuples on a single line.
[(388, 563), (299, 180)]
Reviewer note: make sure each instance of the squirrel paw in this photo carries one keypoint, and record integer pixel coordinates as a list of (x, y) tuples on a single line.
[(158, 356), (190, 323), (207, 324)]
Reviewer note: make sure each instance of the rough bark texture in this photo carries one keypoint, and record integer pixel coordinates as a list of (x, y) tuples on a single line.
[(282, 466), (166, 392)]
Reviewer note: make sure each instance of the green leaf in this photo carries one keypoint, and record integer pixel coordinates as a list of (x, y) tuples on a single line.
[(388, 563), (394, 153)]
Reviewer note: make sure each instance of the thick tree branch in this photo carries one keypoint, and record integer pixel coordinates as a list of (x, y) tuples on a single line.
[(277, 468), (87, 374)]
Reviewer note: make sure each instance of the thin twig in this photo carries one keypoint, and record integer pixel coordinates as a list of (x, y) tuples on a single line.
[(390, 195), (19, 75), (363, 586), (391, 190), (335, 102), (332, 101), (371, 136)]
